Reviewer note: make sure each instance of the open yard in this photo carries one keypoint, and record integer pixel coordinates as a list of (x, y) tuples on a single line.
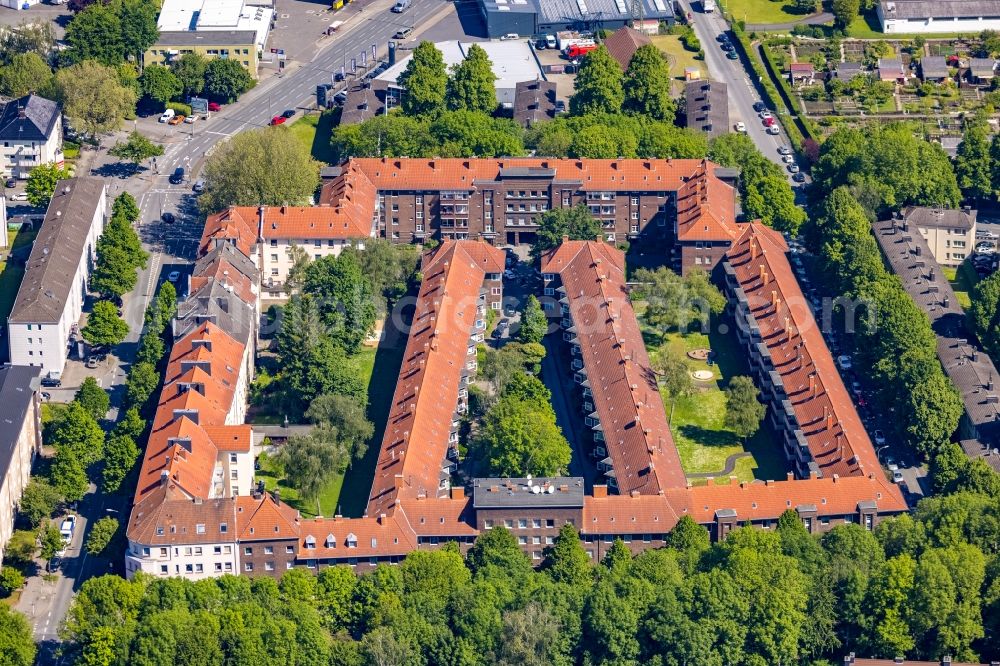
[(763, 11), (702, 440), (680, 58), (314, 131), (962, 280), (12, 272), (271, 474)]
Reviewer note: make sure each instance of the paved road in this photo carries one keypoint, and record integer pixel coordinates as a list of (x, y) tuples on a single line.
[(742, 93)]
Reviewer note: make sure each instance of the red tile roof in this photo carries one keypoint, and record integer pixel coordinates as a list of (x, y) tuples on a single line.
[(236, 225), (623, 43), (419, 423), (324, 538), (162, 520), (626, 397), (825, 413), (440, 517), (624, 514), (706, 207), (234, 438), (263, 519), (229, 276)]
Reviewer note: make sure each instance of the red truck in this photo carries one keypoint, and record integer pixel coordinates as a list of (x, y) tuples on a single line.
[(579, 50)]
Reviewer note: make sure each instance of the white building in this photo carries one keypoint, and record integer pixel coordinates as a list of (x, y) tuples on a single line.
[(942, 16), (31, 132), (513, 62), (50, 300), (20, 440), (216, 15)]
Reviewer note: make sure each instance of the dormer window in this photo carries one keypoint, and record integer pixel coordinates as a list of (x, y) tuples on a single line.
[(223, 528), (310, 541), (331, 541), (352, 541)]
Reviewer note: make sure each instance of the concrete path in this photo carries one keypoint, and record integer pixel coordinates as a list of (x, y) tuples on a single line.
[(726, 471)]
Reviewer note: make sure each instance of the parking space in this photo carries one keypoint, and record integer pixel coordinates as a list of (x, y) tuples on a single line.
[(520, 281), (564, 81)]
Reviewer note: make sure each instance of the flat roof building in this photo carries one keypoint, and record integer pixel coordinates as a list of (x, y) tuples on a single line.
[(530, 17), (238, 45), (215, 15)]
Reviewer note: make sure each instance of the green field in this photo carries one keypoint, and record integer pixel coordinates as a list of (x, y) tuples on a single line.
[(314, 131), (697, 425), (680, 58), (763, 11), (867, 26)]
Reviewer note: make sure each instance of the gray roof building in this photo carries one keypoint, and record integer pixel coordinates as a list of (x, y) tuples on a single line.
[(938, 9), (969, 368), (560, 491), (983, 68), (364, 100), (707, 106), (845, 71), (951, 218), (29, 118), (216, 303), (62, 240), (170, 38), (534, 101), (18, 386), (933, 68)]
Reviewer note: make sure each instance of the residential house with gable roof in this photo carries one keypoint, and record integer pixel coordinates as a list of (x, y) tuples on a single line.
[(31, 132)]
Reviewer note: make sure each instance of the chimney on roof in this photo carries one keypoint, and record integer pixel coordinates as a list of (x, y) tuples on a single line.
[(600, 491), (774, 299), (164, 475), (989, 383), (849, 659), (812, 383), (763, 274), (788, 328), (458, 492), (829, 420), (277, 496), (946, 660)]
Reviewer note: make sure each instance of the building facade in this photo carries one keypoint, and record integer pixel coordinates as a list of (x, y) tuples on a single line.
[(950, 233), (20, 440), (49, 302), (32, 134)]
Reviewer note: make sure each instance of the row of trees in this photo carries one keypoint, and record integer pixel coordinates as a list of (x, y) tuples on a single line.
[(119, 252), (922, 586), (977, 162), (643, 90)]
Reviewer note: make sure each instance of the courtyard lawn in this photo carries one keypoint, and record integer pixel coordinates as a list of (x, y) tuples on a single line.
[(680, 58), (273, 479), (11, 273), (763, 11), (314, 131), (963, 279), (701, 438)]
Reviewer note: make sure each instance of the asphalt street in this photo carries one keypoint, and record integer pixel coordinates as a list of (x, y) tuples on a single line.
[(742, 93)]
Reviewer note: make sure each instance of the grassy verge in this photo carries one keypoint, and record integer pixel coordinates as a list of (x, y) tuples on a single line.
[(11, 273), (314, 131), (698, 423), (963, 279)]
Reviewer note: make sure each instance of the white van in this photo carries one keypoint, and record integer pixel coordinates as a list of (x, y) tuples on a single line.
[(167, 115)]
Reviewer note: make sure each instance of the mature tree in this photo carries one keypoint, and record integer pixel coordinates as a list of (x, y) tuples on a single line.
[(125, 206), (519, 438), (10, 580), (93, 398), (69, 475), (674, 302), (51, 541), (93, 98), (496, 550), (345, 298), (804, 6), (534, 322), (527, 387), (96, 34), (17, 645), (312, 461), (137, 149), (985, 312), (42, 183), (566, 561), (392, 135), (38, 501), (845, 11), (744, 411), (674, 374), (470, 85), (886, 606), (931, 401), (531, 637), (158, 83), (190, 71), (973, 166), (120, 454), (104, 328), (647, 84), (226, 79), (119, 254), (347, 416), (138, 25), (36, 36), (575, 223), (388, 266), (425, 80), (101, 535), (77, 430), (598, 85), (27, 72), (142, 381), (259, 168), (475, 134), (764, 189)]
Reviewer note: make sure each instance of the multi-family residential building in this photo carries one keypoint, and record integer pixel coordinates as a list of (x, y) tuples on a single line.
[(20, 440), (50, 299), (970, 369), (950, 233), (31, 132), (619, 393), (809, 406)]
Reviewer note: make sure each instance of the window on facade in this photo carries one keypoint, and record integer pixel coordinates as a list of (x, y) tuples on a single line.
[(289, 549), (218, 566), (217, 550), (248, 566), (269, 550), (522, 523), (229, 566), (248, 551), (163, 552), (163, 569)]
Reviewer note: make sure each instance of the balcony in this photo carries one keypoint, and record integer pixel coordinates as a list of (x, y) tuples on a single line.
[(577, 364), (566, 323)]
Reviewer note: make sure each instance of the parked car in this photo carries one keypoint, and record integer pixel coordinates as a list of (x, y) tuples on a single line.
[(985, 248), (278, 120), (19, 196), (168, 218), (773, 129), (784, 150), (787, 159), (510, 36), (879, 438), (214, 106), (759, 106), (732, 55), (509, 310), (560, 107), (176, 120), (167, 115), (10, 182), (897, 476), (402, 33), (740, 127), (764, 113), (508, 275), (844, 361), (799, 177), (287, 113), (199, 186), (769, 121), (174, 276), (727, 46), (190, 119), (66, 529), (793, 168), (987, 235), (46, 396), (92, 361), (177, 177), (49, 381)]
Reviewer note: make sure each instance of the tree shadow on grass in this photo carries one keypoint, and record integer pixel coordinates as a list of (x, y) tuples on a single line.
[(707, 436)]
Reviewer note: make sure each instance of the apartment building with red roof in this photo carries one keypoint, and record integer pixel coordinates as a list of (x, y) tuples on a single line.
[(620, 397)]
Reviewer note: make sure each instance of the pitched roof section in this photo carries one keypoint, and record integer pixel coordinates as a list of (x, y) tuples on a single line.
[(29, 118), (821, 406), (626, 397), (18, 387), (57, 250), (623, 43), (324, 538), (416, 435), (161, 520), (264, 519), (706, 207), (237, 226)]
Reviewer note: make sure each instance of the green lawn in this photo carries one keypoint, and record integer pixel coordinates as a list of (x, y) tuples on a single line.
[(962, 280), (702, 440), (867, 26), (314, 131), (763, 11), (680, 57), (270, 473), (12, 273)]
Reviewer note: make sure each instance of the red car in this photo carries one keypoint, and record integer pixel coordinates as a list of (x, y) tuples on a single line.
[(278, 120), (768, 121), (214, 106)]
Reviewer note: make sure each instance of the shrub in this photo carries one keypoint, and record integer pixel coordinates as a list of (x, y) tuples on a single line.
[(180, 108)]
